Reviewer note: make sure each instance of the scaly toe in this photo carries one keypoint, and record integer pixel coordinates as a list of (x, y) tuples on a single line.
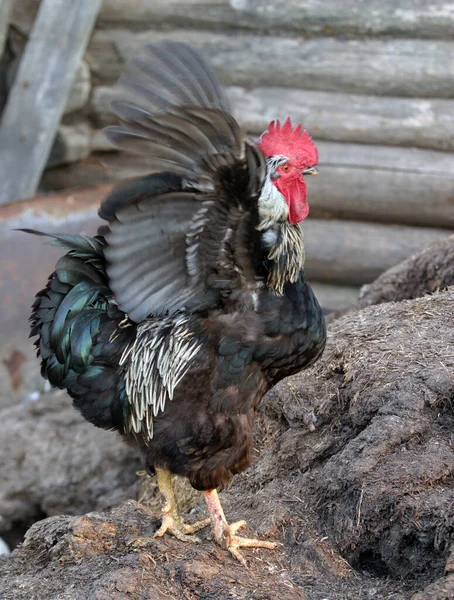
[(188, 528), (239, 542), (225, 535), (181, 530), (237, 554), (234, 527)]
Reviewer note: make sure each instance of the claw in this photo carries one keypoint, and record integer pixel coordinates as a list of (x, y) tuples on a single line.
[(181, 530), (237, 525), (225, 534), (238, 556), (239, 542), (171, 519), (177, 527)]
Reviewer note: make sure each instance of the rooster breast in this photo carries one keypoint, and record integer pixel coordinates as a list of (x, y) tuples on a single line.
[(203, 417)]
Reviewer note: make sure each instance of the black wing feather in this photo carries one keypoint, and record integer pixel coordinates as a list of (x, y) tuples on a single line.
[(167, 231)]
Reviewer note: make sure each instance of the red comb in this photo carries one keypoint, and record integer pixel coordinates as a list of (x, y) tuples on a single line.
[(297, 146)]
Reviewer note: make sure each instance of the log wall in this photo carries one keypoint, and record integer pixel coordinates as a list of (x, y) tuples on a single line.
[(373, 82)]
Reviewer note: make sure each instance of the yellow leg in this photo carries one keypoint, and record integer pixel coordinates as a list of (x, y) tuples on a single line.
[(225, 534), (172, 522)]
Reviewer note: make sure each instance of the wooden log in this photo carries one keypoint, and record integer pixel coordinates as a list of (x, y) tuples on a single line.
[(369, 183), (5, 16), (424, 123), (328, 115), (24, 15), (384, 67), (40, 93), (383, 183), (335, 297), (80, 92), (357, 181), (331, 17), (72, 144), (354, 253)]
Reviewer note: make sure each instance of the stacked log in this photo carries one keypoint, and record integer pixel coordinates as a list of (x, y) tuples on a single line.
[(373, 83), (329, 17), (352, 252)]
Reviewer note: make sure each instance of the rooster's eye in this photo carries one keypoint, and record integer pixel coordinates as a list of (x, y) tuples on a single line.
[(286, 168)]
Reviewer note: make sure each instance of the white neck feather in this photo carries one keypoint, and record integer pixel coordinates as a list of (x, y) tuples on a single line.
[(272, 206)]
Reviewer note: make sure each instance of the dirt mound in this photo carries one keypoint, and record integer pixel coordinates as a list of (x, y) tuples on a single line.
[(429, 271), (354, 476), (52, 461), (89, 557), (378, 469)]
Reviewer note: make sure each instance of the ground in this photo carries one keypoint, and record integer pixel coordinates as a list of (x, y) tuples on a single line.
[(353, 476)]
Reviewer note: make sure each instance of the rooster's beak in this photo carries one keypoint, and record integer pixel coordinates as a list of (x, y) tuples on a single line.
[(310, 171)]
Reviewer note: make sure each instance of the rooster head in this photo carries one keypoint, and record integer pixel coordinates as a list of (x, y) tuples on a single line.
[(290, 154)]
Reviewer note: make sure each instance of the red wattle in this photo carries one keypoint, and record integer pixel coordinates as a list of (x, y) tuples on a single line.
[(295, 194)]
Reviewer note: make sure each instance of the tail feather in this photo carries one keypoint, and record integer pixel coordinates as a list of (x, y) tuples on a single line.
[(80, 297), (81, 332)]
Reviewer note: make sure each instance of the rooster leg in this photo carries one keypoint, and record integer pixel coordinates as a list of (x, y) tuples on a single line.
[(172, 521), (225, 534)]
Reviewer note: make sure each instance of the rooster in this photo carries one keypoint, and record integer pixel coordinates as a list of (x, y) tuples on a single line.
[(191, 302)]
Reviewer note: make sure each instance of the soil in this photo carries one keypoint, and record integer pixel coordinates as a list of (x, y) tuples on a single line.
[(353, 476), (426, 272), (53, 462)]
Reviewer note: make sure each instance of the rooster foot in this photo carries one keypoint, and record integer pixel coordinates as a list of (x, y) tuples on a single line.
[(175, 526), (225, 534), (229, 540), (171, 519)]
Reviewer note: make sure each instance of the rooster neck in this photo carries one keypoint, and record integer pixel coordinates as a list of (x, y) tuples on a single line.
[(284, 244), (272, 206)]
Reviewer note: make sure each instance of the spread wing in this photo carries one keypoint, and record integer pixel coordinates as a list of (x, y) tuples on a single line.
[(176, 239)]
